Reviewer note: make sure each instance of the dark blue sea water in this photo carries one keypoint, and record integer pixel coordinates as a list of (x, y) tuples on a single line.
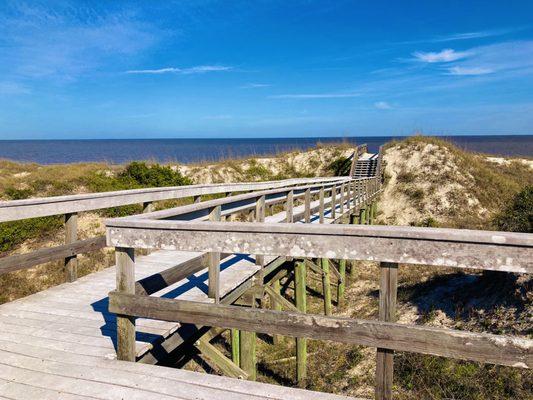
[(194, 150)]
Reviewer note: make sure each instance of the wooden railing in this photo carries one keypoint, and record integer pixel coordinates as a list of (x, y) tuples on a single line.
[(184, 229), (70, 206)]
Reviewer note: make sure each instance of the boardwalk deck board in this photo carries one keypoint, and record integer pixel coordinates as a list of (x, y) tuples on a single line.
[(61, 343)]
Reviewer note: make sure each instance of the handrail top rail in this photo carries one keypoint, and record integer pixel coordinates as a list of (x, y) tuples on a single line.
[(191, 208), (84, 196), (377, 231), (45, 206)]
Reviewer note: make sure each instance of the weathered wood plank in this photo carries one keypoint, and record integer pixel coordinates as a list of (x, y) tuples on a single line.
[(500, 251), (488, 348), (71, 236), (125, 265), (40, 207), (388, 289), (41, 256)]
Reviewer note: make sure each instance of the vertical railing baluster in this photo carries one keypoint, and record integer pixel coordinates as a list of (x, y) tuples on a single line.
[(333, 201), (307, 201), (125, 270), (260, 217), (387, 312), (71, 236), (321, 205), (289, 206), (213, 263)]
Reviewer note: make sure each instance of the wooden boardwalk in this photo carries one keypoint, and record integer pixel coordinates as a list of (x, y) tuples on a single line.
[(61, 343)]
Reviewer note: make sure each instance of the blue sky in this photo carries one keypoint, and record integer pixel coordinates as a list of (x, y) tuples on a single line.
[(125, 69)]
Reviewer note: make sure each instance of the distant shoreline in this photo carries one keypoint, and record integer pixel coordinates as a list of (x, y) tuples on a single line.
[(186, 151)]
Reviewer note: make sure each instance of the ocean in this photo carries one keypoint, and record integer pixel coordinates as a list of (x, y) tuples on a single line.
[(196, 150)]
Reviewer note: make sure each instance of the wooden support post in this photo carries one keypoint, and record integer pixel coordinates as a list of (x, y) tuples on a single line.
[(321, 205), (247, 344), (354, 194), (197, 199), (387, 312), (307, 211), (341, 200), (260, 217), (71, 236), (342, 281), (148, 207), (289, 206), (301, 304), (125, 269), (213, 264), (326, 286), (353, 263), (362, 215), (235, 347), (371, 213), (276, 306), (333, 201)]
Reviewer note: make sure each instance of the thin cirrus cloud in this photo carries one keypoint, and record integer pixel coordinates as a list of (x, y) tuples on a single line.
[(255, 85), (382, 105), (483, 60), (446, 55), (464, 36), (469, 71), (200, 69), (314, 96)]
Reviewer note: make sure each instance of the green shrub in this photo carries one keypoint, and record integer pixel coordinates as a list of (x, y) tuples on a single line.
[(16, 232), (341, 166), (17, 194), (518, 216), (155, 175)]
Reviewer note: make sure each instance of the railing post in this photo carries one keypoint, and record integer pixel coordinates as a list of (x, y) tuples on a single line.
[(341, 200), (235, 347), (362, 215), (247, 344), (333, 201), (125, 269), (289, 206), (301, 304), (307, 201), (197, 199), (213, 264), (260, 217), (326, 286), (321, 205), (387, 312), (276, 287), (342, 281), (71, 235)]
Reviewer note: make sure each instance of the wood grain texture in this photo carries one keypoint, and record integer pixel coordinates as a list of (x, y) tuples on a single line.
[(488, 348)]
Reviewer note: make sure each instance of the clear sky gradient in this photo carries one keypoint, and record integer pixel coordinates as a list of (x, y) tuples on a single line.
[(150, 69)]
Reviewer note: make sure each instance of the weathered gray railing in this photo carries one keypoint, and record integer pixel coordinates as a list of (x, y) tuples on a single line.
[(70, 206), (391, 246)]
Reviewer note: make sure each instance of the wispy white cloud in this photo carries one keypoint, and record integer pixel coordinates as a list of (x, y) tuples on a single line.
[(500, 59), (465, 36), (67, 40), (255, 85), (382, 105), (446, 55), (473, 35), (314, 96), (469, 71), (219, 117), (13, 88), (200, 69)]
